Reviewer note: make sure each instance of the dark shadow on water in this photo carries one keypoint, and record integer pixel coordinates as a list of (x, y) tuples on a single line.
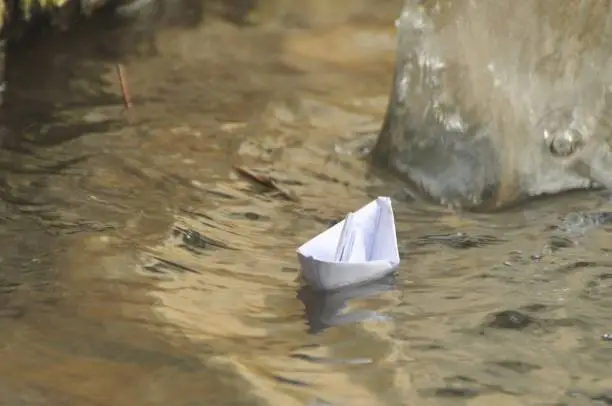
[(325, 309), (62, 87), (52, 74), (51, 69)]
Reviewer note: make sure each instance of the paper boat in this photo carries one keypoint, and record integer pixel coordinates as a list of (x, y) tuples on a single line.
[(360, 248), (324, 309)]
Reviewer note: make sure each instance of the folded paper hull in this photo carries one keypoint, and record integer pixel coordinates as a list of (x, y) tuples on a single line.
[(361, 248), (327, 276)]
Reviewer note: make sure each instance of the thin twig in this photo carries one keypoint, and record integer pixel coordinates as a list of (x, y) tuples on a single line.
[(266, 181), (124, 89)]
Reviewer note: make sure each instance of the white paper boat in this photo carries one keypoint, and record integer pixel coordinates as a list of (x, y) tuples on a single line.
[(360, 248)]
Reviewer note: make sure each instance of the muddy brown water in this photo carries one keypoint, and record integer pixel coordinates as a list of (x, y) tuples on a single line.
[(139, 268)]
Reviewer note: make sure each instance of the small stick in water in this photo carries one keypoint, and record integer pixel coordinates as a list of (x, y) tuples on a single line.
[(124, 90)]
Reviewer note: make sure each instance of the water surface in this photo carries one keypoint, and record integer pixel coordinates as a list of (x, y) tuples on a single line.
[(140, 268)]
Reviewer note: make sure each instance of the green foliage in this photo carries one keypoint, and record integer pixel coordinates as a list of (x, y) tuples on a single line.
[(28, 6)]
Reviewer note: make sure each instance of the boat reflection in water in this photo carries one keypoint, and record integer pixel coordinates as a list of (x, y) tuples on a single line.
[(324, 309)]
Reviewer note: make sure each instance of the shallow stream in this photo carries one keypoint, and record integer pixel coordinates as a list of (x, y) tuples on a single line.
[(140, 267)]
